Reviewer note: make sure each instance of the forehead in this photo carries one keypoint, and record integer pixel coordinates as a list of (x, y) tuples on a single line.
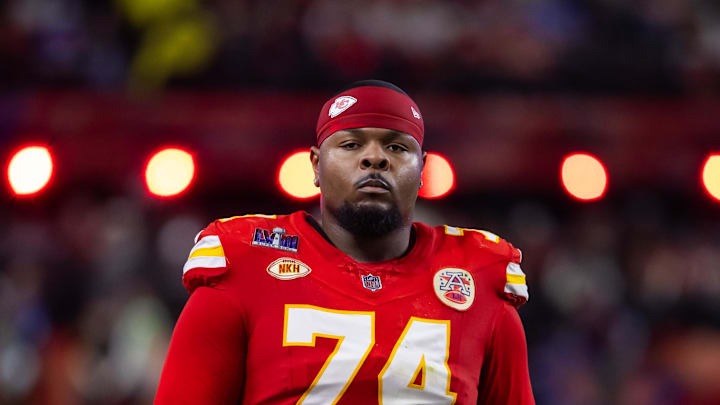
[(370, 133)]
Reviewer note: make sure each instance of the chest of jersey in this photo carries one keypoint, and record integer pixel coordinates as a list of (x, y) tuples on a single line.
[(322, 330)]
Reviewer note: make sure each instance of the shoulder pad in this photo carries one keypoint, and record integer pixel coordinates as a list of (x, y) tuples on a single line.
[(207, 263), (515, 289), (241, 221)]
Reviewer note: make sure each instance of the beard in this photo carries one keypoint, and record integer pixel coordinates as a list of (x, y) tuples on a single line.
[(368, 222)]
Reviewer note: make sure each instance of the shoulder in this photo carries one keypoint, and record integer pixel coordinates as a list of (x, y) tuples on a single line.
[(497, 257), (238, 223), (207, 262), (480, 242)]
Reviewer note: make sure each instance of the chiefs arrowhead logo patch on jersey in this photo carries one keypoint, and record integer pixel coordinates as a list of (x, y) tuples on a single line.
[(455, 288), (341, 104), (286, 268)]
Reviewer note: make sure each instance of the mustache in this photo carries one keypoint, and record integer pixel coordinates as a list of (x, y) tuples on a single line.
[(372, 176)]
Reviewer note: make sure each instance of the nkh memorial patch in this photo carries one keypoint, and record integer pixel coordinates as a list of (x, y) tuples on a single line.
[(455, 288), (371, 282), (275, 239), (286, 268)]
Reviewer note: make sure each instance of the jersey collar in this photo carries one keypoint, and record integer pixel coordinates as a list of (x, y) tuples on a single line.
[(420, 250)]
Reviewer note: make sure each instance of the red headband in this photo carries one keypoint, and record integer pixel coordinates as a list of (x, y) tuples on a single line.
[(370, 106)]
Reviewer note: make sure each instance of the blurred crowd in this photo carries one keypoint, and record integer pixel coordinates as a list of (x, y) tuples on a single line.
[(624, 308), (624, 293), (598, 46)]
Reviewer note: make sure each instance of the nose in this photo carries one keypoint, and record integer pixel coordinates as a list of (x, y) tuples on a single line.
[(374, 158)]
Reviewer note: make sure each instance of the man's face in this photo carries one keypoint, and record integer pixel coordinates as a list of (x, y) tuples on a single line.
[(369, 170)]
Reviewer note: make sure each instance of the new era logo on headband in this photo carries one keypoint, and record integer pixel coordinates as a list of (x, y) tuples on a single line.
[(415, 113), (341, 104)]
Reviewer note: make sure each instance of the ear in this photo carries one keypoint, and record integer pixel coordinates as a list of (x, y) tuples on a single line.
[(424, 159), (315, 160)]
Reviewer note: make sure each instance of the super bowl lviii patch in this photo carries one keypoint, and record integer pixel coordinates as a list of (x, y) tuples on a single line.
[(286, 268), (455, 288), (276, 239)]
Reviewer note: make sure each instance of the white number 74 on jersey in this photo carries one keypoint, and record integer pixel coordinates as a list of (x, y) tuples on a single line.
[(421, 352)]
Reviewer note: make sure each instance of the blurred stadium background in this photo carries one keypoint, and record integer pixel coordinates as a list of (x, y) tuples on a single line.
[(625, 289)]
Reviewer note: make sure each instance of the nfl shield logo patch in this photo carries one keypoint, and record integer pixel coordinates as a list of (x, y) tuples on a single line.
[(371, 282), (455, 288)]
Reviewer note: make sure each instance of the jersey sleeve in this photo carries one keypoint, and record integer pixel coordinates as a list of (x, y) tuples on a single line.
[(504, 378), (515, 290), (206, 262), (205, 363)]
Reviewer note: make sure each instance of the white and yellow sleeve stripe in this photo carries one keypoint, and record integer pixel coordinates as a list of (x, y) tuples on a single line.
[(515, 281), (207, 253)]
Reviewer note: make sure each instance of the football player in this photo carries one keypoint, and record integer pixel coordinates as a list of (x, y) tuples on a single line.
[(362, 306)]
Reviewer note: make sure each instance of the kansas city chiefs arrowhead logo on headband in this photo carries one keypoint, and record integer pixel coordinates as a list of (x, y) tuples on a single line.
[(341, 104)]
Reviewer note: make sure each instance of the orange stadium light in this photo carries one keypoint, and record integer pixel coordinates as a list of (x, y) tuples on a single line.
[(584, 176), (438, 177), (296, 176), (169, 172), (711, 175), (30, 170)]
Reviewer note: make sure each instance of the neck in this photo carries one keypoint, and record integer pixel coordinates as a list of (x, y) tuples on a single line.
[(374, 249)]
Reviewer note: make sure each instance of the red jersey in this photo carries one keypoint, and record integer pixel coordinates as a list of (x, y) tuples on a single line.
[(278, 315)]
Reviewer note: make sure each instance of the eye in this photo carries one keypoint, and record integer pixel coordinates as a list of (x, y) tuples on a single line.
[(394, 147), (350, 145)]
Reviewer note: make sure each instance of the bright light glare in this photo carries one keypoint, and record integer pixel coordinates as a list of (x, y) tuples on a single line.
[(169, 172), (296, 176), (438, 177), (29, 170), (584, 176), (711, 175)]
